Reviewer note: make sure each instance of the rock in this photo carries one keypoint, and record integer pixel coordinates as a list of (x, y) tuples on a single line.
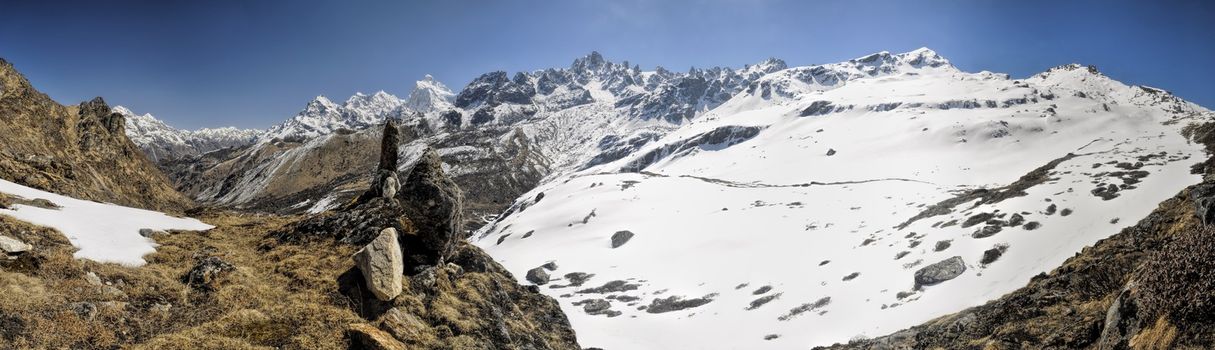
[(388, 146), (404, 325), (1016, 220), (93, 279), (435, 205), (675, 303), (207, 274), (990, 255), (942, 245), (576, 279), (830, 152), (382, 265), (941, 271), (147, 232), (365, 336), (85, 310), (551, 266), (620, 238), (1032, 225), (987, 231), (537, 276), (389, 186), (11, 247), (1203, 196), (1065, 212)]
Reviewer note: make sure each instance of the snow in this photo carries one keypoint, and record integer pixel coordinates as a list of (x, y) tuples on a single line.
[(102, 232), (910, 132)]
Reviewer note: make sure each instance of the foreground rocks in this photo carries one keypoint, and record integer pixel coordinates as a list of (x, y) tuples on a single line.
[(382, 265), (11, 248)]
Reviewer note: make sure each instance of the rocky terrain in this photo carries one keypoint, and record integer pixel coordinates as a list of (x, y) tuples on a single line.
[(390, 270), (80, 150), (891, 201)]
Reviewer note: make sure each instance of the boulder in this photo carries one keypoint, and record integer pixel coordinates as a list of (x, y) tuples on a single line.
[(621, 237), (365, 336), (537, 276), (207, 274), (11, 247), (434, 204), (382, 265), (941, 271)]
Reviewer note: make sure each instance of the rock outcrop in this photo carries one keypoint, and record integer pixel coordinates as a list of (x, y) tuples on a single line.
[(382, 265), (435, 205), (81, 151), (941, 271)]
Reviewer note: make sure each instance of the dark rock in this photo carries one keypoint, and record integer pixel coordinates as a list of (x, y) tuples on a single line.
[(990, 255), (207, 274), (987, 231), (977, 219), (1015, 220), (762, 290), (755, 304), (612, 287), (941, 271), (1032, 225), (1065, 212), (803, 308), (851, 276), (942, 245), (576, 279), (551, 266), (435, 205), (830, 152), (1050, 209), (537, 276), (676, 303), (620, 238)]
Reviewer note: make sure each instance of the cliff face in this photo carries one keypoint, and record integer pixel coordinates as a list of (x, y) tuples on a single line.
[(80, 151)]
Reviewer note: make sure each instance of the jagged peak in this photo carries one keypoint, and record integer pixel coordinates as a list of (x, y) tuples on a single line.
[(591, 61)]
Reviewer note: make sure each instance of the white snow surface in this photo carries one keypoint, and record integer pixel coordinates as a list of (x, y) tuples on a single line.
[(102, 232), (721, 220)]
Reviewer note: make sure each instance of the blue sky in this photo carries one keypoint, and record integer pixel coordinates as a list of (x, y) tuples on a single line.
[(255, 63)]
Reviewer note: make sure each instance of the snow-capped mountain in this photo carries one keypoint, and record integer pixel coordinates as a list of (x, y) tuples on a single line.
[(159, 141), (429, 95), (817, 204)]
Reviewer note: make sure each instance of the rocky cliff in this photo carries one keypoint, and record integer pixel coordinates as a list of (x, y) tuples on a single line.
[(80, 151)]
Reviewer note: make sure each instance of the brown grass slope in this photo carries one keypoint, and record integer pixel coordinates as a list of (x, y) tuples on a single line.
[(81, 151)]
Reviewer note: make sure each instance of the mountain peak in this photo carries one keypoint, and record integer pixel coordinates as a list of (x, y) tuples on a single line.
[(592, 61)]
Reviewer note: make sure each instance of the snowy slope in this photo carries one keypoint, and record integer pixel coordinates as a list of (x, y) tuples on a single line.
[(159, 141), (102, 232), (797, 212)]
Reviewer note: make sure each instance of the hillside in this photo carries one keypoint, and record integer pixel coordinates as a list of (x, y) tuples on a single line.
[(79, 150)]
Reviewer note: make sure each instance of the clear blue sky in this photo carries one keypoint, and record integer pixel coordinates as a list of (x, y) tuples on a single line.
[(255, 63)]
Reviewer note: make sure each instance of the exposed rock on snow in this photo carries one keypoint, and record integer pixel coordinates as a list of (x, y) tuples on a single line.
[(621, 237), (382, 265), (940, 271), (537, 275)]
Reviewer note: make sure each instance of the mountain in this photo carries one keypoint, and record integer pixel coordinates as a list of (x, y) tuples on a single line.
[(161, 142), (80, 151), (847, 201), (892, 200)]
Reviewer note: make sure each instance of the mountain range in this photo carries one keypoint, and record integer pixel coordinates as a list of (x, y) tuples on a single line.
[(888, 201)]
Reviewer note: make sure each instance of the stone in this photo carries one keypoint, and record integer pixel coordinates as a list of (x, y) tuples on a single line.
[(551, 266), (207, 274), (830, 152), (382, 265), (147, 232), (404, 325), (537, 276), (620, 238), (389, 186), (941, 271), (435, 205), (11, 247), (93, 279), (388, 146), (365, 336)]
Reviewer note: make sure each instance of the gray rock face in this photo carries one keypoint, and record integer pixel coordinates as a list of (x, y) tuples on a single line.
[(620, 238), (537, 276), (11, 247), (941, 271), (382, 265), (435, 205)]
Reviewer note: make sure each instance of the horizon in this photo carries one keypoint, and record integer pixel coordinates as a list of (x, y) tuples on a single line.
[(256, 65)]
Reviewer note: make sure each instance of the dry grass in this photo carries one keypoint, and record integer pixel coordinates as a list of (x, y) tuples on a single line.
[(279, 296)]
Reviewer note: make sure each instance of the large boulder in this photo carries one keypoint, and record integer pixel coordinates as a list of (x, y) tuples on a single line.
[(941, 271), (434, 204), (382, 265), (11, 247), (537, 276)]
